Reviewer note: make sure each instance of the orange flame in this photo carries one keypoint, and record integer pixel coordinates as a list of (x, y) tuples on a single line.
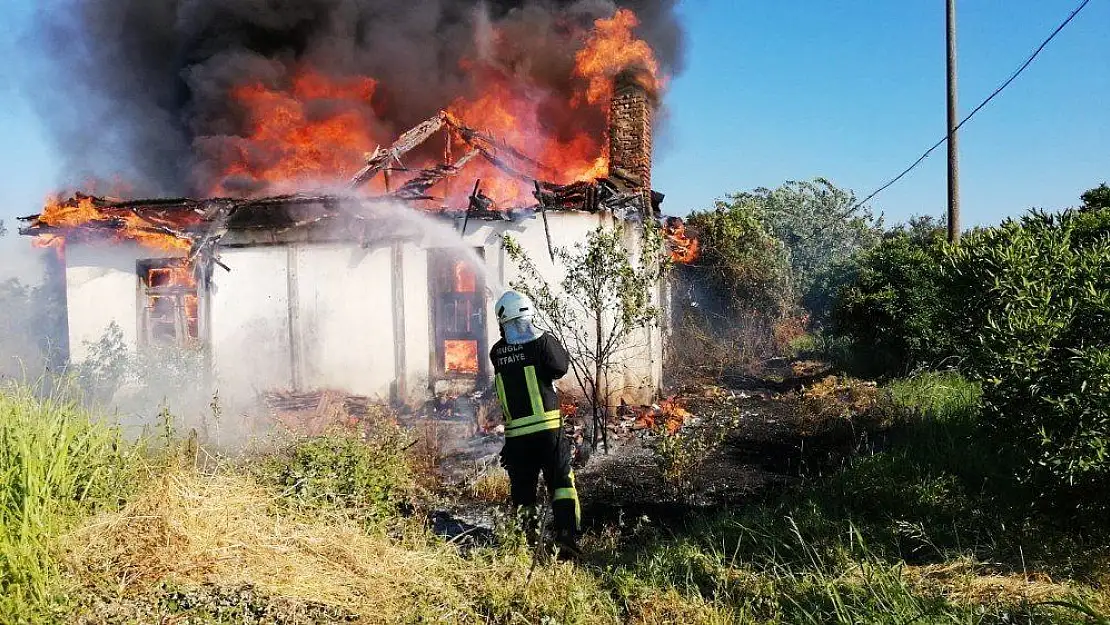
[(293, 139), (466, 281), (82, 211), (460, 357), (683, 247), (668, 417), (319, 128), (612, 49)]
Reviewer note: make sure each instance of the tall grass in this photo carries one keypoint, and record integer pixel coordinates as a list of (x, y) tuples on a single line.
[(56, 462), (939, 397), (318, 526)]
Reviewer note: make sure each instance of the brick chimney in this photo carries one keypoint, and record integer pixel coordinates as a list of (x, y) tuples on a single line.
[(630, 119)]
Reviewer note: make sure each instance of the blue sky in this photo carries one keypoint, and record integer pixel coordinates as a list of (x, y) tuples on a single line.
[(854, 90), (851, 90)]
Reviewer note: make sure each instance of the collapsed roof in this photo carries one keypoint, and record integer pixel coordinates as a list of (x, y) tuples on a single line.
[(197, 225)]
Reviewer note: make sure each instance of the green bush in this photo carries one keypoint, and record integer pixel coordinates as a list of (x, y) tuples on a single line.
[(892, 304), (370, 479), (1034, 315), (741, 261), (1023, 308)]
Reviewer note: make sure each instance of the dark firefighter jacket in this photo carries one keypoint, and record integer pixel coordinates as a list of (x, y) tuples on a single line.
[(523, 377)]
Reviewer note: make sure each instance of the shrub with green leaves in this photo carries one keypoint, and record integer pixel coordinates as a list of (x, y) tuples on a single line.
[(893, 305), (341, 472), (1034, 313), (1024, 308), (741, 260)]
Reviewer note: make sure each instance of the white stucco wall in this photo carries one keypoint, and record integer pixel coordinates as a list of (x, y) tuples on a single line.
[(419, 351), (102, 286), (344, 321), (249, 327), (321, 315)]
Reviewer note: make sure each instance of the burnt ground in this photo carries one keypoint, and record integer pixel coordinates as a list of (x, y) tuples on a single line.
[(772, 446), (768, 450), (759, 457)]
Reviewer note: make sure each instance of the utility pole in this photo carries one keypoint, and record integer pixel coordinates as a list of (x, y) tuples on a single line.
[(953, 121)]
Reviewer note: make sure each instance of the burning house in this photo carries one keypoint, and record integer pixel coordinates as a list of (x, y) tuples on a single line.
[(380, 286)]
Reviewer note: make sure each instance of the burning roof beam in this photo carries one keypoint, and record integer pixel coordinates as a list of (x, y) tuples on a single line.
[(417, 188), (498, 153), (380, 159)]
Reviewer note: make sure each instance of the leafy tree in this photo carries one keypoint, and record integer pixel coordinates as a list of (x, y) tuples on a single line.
[(744, 262), (599, 307), (819, 224), (730, 301), (1096, 198), (890, 301)]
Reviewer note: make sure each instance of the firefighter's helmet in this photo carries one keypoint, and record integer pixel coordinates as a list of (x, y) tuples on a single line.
[(514, 305)]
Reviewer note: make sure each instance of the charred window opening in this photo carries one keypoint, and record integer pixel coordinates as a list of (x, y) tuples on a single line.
[(170, 303), (458, 301)]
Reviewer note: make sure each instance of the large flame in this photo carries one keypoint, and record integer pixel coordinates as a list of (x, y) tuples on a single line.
[(460, 356), (81, 213), (613, 49), (317, 129)]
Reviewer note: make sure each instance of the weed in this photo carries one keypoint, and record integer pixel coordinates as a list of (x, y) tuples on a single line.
[(369, 479), (56, 463), (492, 486), (679, 453)]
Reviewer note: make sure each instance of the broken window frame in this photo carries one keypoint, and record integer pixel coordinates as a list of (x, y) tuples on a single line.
[(441, 263), (182, 337)]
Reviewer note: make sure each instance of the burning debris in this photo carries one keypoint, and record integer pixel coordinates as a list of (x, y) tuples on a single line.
[(683, 248), (667, 416), (195, 226), (155, 224)]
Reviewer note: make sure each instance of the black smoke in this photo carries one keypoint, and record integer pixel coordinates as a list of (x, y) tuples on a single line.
[(138, 89)]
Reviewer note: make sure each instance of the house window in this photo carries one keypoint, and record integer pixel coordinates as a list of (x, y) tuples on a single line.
[(170, 303), (458, 302)]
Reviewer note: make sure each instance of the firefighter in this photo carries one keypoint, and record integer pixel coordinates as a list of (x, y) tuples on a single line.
[(526, 361)]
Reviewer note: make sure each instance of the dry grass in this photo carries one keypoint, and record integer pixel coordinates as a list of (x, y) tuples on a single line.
[(188, 529), (963, 581), (671, 606), (491, 487), (835, 402)]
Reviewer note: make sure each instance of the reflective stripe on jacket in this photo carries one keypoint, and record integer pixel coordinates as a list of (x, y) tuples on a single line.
[(524, 376)]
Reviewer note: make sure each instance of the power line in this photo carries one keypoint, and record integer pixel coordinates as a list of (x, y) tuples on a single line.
[(992, 96)]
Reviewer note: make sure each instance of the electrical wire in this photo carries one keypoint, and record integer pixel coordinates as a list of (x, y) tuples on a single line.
[(992, 96)]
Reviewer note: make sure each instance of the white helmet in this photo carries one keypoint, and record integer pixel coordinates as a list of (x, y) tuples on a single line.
[(514, 305)]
